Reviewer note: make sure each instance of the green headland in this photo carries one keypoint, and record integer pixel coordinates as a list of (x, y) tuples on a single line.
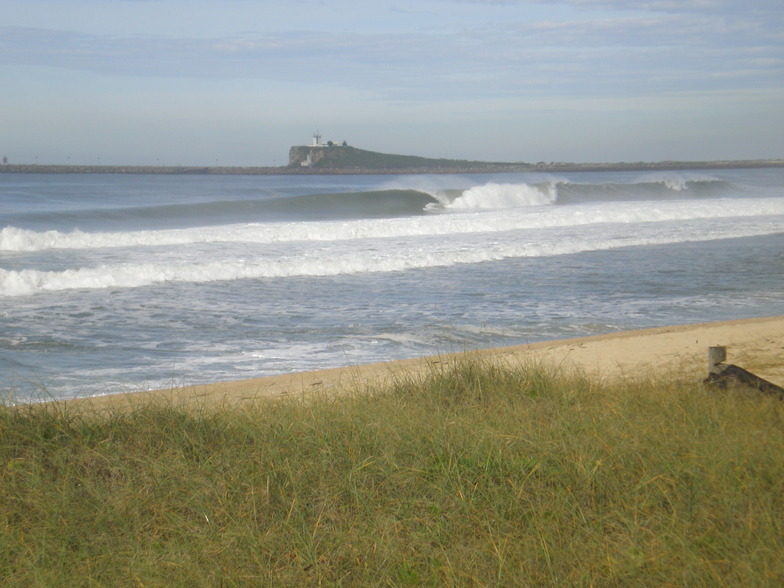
[(333, 158)]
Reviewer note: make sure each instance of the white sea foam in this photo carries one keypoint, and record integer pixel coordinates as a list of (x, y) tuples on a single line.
[(368, 256), (494, 195), (466, 222)]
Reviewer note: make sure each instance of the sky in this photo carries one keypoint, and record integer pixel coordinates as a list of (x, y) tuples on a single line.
[(237, 82)]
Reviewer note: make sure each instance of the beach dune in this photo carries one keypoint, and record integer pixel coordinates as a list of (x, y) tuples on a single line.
[(676, 351)]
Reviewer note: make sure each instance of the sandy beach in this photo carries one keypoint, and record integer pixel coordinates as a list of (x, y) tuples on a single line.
[(678, 351)]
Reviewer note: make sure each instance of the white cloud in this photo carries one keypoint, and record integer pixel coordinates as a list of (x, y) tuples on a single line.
[(634, 51)]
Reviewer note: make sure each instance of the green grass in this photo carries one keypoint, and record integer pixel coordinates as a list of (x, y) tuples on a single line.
[(478, 474)]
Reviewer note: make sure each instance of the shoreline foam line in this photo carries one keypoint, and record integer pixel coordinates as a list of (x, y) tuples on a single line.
[(680, 350)]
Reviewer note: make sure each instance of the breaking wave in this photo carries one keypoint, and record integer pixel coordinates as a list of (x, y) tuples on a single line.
[(15, 239), (369, 231), (373, 204), (335, 261), (495, 195), (492, 195), (346, 205)]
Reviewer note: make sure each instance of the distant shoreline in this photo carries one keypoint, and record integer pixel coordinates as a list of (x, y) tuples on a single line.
[(478, 168)]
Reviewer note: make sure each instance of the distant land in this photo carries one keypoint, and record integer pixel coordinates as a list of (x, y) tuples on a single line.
[(333, 159)]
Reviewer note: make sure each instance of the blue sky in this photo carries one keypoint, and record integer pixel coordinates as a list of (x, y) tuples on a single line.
[(236, 82)]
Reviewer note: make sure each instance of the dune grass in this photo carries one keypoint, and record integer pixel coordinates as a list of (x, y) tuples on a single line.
[(478, 474)]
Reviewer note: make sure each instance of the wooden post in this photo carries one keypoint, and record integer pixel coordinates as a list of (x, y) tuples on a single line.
[(720, 373), (716, 355)]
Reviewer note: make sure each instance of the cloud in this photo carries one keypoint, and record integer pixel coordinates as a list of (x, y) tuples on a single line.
[(272, 55), (636, 48)]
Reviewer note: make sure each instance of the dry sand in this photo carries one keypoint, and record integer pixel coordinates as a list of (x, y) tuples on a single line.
[(679, 351)]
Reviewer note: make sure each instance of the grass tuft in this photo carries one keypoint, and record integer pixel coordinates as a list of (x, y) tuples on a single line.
[(477, 473)]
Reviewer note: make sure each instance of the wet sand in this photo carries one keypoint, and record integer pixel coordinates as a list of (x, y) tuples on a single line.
[(664, 352)]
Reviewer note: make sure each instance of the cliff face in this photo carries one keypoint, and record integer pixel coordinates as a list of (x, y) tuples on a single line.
[(299, 155), (329, 156)]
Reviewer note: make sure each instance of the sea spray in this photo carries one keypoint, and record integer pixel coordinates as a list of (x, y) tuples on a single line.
[(494, 195)]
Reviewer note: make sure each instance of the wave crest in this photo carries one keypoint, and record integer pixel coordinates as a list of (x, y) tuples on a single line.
[(494, 195)]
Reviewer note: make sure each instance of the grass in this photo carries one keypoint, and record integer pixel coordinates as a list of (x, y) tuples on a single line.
[(478, 474)]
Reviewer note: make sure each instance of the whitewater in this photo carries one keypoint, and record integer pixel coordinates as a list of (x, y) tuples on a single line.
[(111, 283)]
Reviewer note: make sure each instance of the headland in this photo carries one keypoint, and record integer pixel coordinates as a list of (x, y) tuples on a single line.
[(341, 159)]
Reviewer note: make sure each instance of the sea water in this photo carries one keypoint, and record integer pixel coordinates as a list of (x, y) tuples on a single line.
[(113, 283)]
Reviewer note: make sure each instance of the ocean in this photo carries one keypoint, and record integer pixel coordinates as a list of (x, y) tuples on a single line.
[(117, 283)]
